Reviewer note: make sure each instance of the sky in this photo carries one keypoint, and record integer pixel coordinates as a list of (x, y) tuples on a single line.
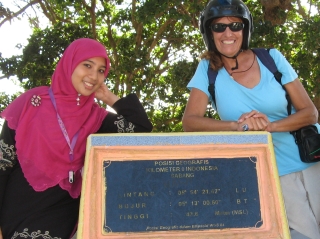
[(11, 35)]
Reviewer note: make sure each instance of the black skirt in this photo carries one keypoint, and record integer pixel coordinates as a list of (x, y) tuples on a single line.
[(26, 213)]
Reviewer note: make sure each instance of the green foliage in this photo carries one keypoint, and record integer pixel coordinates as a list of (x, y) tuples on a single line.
[(306, 60), (6, 99), (154, 46), (298, 39), (45, 47)]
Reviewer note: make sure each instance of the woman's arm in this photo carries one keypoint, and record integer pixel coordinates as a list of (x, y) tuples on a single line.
[(130, 117), (193, 117), (194, 120), (306, 112), (8, 158), (106, 96)]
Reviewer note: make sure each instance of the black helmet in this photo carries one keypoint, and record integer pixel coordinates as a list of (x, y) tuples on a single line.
[(225, 8)]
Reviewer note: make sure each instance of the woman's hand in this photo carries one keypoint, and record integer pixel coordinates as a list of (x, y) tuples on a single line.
[(245, 116), (254, 121), (105, 95)]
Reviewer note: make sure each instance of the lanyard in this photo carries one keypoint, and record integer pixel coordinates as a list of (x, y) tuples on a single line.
[(65, 134)]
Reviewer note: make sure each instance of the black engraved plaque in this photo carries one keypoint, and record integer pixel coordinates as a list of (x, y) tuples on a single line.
[(184, 194)]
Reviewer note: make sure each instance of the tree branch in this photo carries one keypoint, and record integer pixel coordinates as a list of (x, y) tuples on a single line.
[(48, 12), (300, 10), (91, 10), (22, 10), (162, 29)]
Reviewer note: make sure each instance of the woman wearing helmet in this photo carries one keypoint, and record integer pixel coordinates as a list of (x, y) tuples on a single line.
[(248, 98)]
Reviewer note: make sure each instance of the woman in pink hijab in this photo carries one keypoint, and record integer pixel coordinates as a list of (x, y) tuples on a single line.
[(43, 141)]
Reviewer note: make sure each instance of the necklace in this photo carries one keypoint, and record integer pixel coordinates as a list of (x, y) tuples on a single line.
[(234, 57), (254, 59)]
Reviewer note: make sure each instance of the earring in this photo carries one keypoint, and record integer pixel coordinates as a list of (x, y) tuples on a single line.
[(78, 99)]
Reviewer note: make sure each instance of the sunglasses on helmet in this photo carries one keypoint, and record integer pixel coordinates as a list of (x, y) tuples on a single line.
[(221, 27)]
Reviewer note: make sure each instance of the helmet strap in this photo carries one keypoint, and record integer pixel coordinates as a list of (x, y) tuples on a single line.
[(234, 57)]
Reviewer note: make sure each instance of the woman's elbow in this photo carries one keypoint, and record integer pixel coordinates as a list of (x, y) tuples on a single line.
[(315, 115), (186, 124)]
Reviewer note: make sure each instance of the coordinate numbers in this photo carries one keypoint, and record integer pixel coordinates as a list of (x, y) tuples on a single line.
[(196, 192), (199, 203)]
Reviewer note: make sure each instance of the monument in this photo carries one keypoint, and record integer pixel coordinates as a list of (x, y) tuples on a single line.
[(178, 185)]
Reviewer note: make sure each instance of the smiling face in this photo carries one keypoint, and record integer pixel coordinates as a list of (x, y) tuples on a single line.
[(88, 76), (228, 42)]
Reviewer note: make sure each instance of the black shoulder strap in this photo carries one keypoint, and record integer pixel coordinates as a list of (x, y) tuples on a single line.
[(212, 75), (267, 61)]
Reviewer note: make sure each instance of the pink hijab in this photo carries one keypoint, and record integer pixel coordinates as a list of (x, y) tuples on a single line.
[(42, 149)]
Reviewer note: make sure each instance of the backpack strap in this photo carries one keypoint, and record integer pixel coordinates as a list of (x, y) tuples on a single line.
[(212, 75), (264, 56), (267, 61)]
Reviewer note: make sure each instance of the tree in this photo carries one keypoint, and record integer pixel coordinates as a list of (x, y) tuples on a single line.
[(154, 45), (6, 99)]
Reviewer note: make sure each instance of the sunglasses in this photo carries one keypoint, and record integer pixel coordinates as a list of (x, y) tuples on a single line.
[(221, 27)]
